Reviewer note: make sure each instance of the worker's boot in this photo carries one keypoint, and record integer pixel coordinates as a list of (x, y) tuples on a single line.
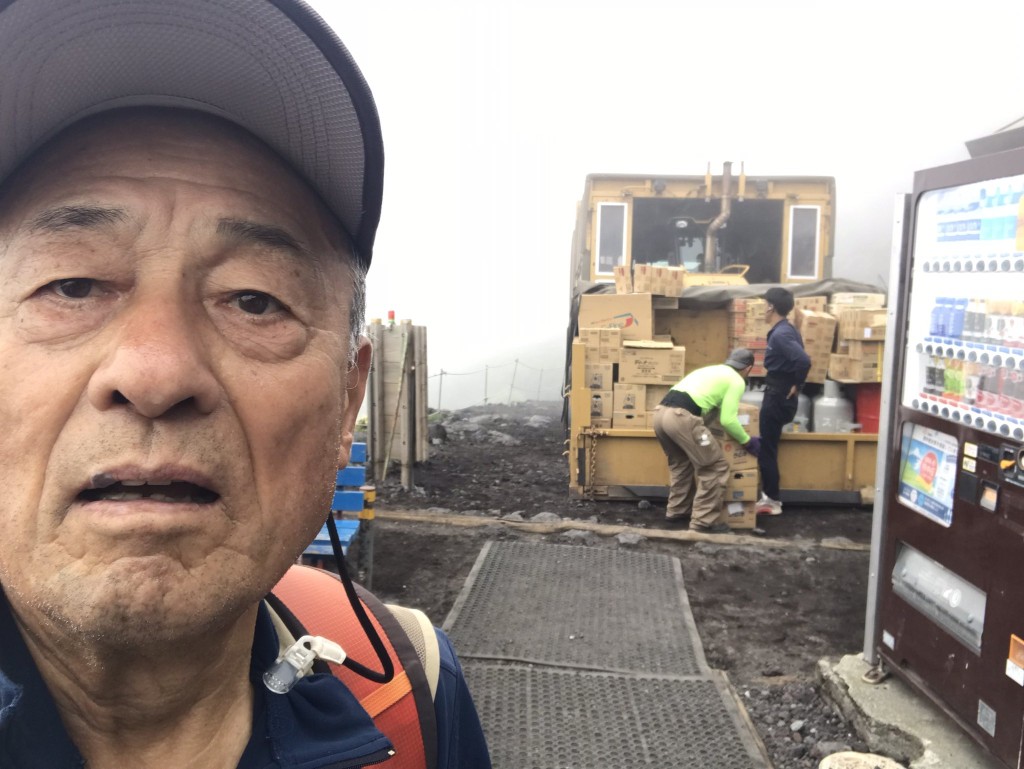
[(768, 506)]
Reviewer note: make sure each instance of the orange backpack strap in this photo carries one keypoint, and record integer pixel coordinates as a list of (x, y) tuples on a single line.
[(313, 601)]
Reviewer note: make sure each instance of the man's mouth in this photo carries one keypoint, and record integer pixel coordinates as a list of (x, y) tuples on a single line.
[(105, 488)]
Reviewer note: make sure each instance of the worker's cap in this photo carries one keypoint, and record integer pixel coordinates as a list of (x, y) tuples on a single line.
[(780, 298), (740, 358), (273, 67)]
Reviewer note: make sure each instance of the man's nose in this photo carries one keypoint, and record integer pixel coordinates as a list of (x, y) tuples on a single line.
[(156, 363)]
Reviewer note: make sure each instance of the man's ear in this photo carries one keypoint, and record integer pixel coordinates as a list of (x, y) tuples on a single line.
[(352, 397)]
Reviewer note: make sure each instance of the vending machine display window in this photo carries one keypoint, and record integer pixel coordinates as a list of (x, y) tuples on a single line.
[(966, 323), (928, 472)]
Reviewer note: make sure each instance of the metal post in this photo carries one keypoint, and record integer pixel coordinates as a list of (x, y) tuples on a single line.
[(440, 386), (512, 384), (364, 564), (540, 378), (486, 367), (886, 408)]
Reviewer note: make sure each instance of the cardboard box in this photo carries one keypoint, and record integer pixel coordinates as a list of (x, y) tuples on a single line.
[(654, 395), (704, 333), (603, 344), (712, 279), (646, 365), (852, 299), (632, 313), (668, 281), (599, 376), (742, 486), (737, 457), (843, 368), (748, 415), (870, 351), (623, 279), (862, 324), (643, 279), (818, 330), (740, 515), (629, 397), (629, 420), (812, 303), (750, 418), (818, 371), (601, 404)]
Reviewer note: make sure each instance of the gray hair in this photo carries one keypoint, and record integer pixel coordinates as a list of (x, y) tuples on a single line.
[(357, 308)]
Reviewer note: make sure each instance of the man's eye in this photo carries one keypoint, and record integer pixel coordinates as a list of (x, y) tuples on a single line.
[(73, 288), (257, 303)]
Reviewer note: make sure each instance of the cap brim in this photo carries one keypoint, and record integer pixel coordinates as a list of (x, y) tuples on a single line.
[(271, 66)]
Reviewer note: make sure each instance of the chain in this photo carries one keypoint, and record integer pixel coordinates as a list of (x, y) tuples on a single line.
[(593, 466)]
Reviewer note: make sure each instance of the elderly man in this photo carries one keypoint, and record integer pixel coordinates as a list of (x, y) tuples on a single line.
[(189, 192)]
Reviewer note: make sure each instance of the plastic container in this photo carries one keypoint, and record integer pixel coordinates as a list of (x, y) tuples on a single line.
[(754, 396), (832, 412), (868, 401), (802, 421)]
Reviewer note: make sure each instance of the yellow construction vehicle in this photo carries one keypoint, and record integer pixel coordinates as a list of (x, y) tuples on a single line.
[(768, 229), (684, 254)]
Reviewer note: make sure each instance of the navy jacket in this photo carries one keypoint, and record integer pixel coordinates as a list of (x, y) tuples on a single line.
[(785, 360), (317, 725)]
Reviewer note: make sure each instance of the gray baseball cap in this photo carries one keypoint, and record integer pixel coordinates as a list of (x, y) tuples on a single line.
[(740, 358), (273, 67)]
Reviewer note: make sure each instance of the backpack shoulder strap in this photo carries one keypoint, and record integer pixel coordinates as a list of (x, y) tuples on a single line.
[(420, 630), (308, 600)]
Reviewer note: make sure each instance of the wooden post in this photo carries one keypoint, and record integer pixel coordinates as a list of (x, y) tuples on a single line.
[(422, 406), (408, 405)]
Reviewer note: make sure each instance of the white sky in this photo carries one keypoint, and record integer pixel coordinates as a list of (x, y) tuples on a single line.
[(494, 112)]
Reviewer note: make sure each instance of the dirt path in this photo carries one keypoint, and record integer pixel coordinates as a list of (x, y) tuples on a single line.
[(767, 608)]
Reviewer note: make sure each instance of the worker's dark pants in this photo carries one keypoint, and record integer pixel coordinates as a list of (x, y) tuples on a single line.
[(776, 411)]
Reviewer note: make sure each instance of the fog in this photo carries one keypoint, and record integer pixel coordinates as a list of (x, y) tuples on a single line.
[(494, 112)]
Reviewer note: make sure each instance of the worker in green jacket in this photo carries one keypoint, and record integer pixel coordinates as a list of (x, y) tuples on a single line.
[(679, 423)]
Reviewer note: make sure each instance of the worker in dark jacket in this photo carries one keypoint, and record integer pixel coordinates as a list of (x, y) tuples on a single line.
[(787, 364), (692, 449)]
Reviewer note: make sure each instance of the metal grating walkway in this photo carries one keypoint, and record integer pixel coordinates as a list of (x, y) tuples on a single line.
[(588, 658)]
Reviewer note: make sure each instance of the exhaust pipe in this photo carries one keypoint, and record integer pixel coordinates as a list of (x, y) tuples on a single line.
[(711, 243)]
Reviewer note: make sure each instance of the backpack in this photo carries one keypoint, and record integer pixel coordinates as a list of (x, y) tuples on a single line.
[(309, 600)]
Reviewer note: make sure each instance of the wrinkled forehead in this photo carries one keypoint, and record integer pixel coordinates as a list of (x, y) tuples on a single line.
[(138, 142)]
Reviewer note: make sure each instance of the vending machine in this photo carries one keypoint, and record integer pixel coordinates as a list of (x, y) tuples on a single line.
[(951, 570)]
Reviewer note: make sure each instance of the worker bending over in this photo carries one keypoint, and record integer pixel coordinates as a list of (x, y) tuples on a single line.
[(680, 422)]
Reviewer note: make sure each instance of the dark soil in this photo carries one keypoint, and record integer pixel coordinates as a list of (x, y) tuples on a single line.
[(766, 614)]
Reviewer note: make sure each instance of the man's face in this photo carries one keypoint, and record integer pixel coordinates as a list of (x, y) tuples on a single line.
[(175, 392)]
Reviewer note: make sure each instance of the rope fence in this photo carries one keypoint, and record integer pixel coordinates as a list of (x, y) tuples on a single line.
[(525, 379)]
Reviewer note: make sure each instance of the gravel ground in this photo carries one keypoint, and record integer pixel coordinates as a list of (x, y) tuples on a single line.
[(766, 614)]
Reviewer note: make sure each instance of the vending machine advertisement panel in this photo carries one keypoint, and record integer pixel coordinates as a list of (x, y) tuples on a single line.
[(951, 603)]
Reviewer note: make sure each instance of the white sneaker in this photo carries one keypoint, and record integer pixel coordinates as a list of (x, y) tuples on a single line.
[(768, 506)]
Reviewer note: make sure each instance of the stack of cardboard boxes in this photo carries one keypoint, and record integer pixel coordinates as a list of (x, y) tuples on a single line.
[(862, 331), (628, 369), (818, 330), (748, 328), (741, 491), (667, 281)]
